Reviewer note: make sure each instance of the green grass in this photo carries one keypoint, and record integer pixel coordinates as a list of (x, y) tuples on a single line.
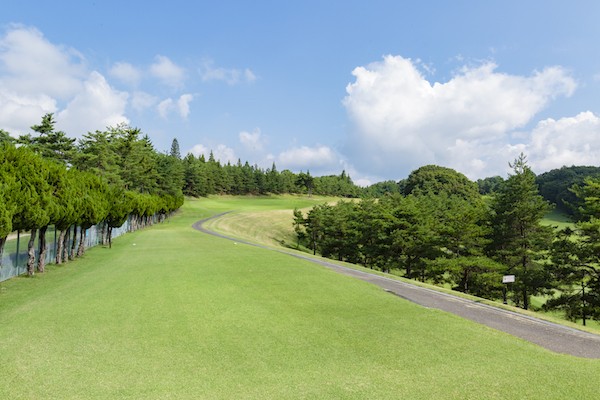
[(558, 219), (189, 316)]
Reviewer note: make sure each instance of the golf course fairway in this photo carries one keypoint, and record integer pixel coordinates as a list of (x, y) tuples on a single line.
[(171, 313)]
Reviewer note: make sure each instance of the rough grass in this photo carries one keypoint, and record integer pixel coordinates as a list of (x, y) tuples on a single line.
[(189, 316)]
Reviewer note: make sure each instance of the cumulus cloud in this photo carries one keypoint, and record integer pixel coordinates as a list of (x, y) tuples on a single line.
[(169, 73), (231, 76), (550, 144), (37, 77), (318, 157), (567, 141), (97, 106), (19, 111), (222, 153), (30, 64), (252, 141), (127, 73), (401, 121)]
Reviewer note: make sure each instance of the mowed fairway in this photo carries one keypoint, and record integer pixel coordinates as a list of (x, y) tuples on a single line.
[(183, 315)]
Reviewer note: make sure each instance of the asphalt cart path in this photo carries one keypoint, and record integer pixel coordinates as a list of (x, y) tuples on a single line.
[(554, 337)]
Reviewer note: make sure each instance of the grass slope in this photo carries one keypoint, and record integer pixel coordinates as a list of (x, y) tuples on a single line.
[(189, 316)]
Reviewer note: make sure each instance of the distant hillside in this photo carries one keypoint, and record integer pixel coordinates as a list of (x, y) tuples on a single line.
[(554, 185)]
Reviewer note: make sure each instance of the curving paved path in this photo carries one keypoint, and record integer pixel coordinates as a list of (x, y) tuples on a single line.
[(554, 337)]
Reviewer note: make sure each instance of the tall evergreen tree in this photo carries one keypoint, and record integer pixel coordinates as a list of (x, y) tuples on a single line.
[(576, 259), (518, 239), (175, 150)]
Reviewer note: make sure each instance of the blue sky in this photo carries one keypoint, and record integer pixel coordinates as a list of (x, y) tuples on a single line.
[(377, 88)]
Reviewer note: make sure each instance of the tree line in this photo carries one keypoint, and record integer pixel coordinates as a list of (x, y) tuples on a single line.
[(109, 176), (205, 177), (442, 230)]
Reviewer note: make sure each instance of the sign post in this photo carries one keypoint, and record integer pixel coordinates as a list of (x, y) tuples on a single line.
[(507, 279)]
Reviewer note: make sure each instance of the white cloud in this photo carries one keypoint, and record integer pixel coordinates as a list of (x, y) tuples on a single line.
[(318, 157), (551, 144), (37, 77), (183, 104), (222, 153), (198, 149), (401, 121), (567, 141), (182, 107), (252, 141), (143, 100), (30, 64), (18, 112), (231, 76), (169, 73), (250, 77), (97, 106), (164, 107), (127, 73)]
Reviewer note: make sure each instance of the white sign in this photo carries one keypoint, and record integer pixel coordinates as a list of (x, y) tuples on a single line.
[(508, 278)]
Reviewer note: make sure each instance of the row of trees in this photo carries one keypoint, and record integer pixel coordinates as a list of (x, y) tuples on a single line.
[(48, 180), (443, 231), (204, 177)]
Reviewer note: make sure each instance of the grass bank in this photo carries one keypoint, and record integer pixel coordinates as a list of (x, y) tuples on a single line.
[(169, 312)]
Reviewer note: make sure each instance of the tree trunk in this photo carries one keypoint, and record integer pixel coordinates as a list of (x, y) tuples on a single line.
[(582, 301), (31, 252), (65, 249), (109, 237), (74, 243), (42, 252), (81, 249), (103, 235), (59, 247), (2, 243)]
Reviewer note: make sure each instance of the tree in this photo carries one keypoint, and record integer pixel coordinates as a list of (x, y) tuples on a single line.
[(50, 144), (575, 268), (576, 258), (436, 180), (518, 239), (555, 186), (10, 194), (98, 155), (94, 206), (69, 198), (175, 150), (5, 137), (305, 180), (298, 224), (34, 200)]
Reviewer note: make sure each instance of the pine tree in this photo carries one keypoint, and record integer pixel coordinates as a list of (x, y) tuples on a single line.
[(50, 144), (518, 239), (576, 259), (175, 150)]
